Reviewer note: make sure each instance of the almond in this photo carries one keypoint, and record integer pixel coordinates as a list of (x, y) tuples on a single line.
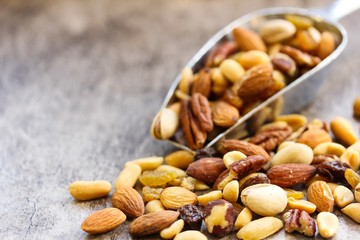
[(129, 201), (176, 197), (206, 169), (256, 80), (103, 221), (246, 148), (248, 40), (320, 194), (152, 222), (288, 175)]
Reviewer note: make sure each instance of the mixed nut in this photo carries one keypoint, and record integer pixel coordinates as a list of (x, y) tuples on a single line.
[(239, 73), (292, 174), (295, 183)]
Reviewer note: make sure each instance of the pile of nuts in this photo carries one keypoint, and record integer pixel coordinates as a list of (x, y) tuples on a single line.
[(238, 74), (290, 175)]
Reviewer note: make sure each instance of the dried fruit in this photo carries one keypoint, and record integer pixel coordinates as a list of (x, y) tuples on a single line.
[(156, 178), (334, 170), (88, 190), (150, 193), (152, 223), (320, 194), (191, 216), (260, 228), (288, 175), (327, 45), (208, 152), (176, 197), (129, 201), (352, 177), (328, 224), (103, 221), (206, 170), (300, 221), (219, 217), (264, 199)]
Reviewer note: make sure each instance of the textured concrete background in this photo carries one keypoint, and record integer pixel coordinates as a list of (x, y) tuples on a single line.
[(80, 82)]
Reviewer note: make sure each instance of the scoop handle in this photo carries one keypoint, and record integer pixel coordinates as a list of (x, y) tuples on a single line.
[(339, 9)]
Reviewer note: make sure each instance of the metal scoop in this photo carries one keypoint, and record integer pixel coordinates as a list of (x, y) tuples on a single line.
[(306, 85)]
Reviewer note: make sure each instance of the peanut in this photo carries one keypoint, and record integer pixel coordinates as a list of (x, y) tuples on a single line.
[(233, 156), (128, 176), (231, 191), (244, 217), (154, 206), (210, 196), (179, 159), (260, 228), (173, 230), (329, 148), (328, 224), (190, 235), (343, 196), (148, 163), (343, 130), (353, 211), (187, 78), (88, 190), (293, 120), (232, 70), (304, 205), (357, 193), (251, 58)]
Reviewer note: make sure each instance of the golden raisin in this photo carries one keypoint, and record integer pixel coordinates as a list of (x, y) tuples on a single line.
[(156, 178)]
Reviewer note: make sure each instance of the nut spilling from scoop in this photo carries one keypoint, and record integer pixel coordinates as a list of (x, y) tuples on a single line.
[(238, 73)]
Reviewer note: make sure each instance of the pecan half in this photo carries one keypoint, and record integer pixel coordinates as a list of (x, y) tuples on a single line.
[(271, 137), (220, 52), (202, 111), (194, 135), (202, 84), (301, 58), (249, 149), (300, 221), (239, 170)]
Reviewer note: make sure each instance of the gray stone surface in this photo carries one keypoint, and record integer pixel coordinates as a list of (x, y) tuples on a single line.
[(80, 82)]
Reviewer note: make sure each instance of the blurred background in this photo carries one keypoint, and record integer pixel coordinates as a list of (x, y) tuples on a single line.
[(80, 82)]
